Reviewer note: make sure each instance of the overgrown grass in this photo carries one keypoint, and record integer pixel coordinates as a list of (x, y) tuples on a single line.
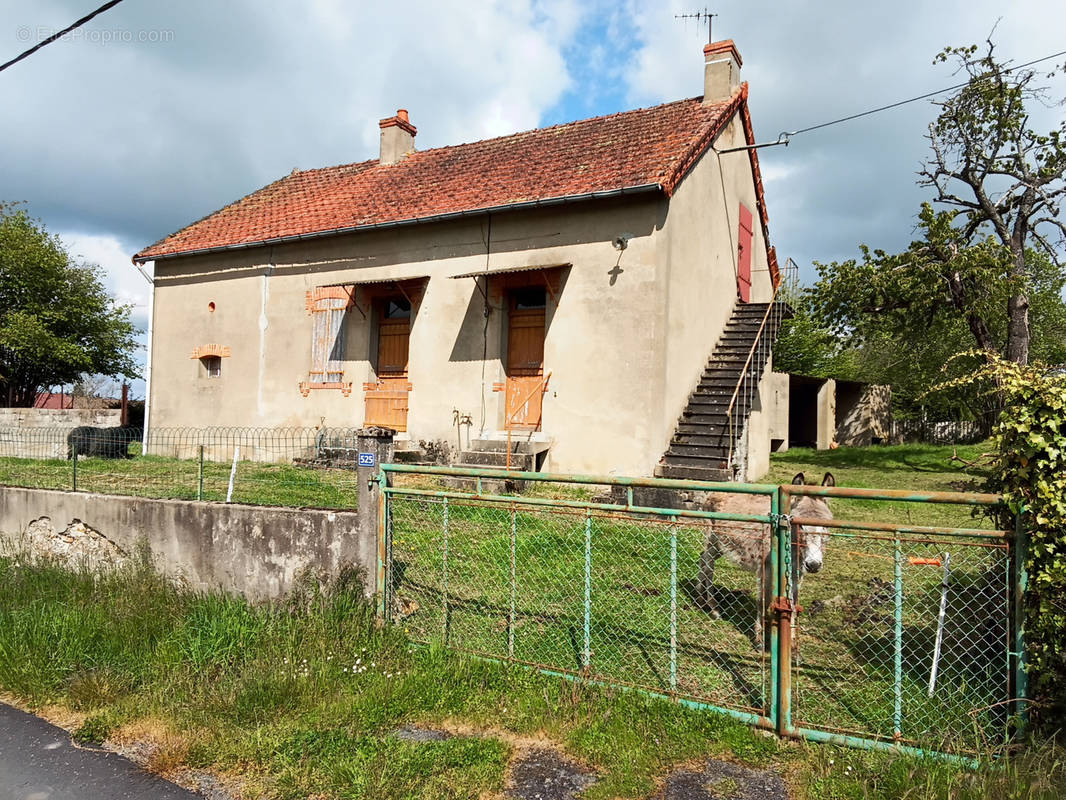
[(302, 698)]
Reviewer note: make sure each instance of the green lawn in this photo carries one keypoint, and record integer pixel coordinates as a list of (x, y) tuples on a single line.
[(302, 698), (257, 483)]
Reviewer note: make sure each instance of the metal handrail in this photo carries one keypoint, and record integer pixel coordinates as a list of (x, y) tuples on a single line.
[(744, 369)]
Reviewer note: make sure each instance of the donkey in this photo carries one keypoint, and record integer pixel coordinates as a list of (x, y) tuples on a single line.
[(747, 544)]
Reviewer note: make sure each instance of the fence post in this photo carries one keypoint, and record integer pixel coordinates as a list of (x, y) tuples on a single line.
[(374, 449), (1019, 584), (74, 462), (774, 575), (587, 650), (783, 607), (200, 488)]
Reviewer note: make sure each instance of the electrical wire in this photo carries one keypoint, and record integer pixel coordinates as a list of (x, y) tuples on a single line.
[(784, 136), (60, 34)]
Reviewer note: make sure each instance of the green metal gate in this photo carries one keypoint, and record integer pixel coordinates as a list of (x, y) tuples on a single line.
[(907, 638)]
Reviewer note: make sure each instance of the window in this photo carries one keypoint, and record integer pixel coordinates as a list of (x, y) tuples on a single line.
[(397, 308), (529, 297), (211, 366)]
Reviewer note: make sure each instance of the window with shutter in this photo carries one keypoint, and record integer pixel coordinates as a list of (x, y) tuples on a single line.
[(328, 307), (745, 234)]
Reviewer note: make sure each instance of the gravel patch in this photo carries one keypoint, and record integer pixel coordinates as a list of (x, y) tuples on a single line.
[(541, 773), (721, 780)]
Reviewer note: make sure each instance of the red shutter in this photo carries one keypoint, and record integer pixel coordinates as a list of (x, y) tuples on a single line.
[(744, 238)]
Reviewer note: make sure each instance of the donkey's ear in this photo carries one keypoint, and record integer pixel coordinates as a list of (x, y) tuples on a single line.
[(829, 480), (798, 480)]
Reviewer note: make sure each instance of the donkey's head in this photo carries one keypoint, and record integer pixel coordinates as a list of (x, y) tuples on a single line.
[(810, 538)]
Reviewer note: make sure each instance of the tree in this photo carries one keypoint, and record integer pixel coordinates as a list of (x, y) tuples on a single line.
[(899, 317), (1000, 174), (57, 321)]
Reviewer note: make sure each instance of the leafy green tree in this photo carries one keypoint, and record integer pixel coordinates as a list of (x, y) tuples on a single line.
[(902, 316), (57, 321), (1001, 176)]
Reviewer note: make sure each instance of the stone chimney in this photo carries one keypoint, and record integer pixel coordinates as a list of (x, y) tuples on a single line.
[(397, 137), (721, 73)]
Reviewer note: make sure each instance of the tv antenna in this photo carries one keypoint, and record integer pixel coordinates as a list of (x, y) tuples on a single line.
[(700, 16)]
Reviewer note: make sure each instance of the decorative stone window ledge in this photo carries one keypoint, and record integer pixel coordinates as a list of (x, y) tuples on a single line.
[(205, 350), (344, 386)]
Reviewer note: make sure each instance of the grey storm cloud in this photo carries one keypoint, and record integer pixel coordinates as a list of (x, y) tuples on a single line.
[(171, 110)]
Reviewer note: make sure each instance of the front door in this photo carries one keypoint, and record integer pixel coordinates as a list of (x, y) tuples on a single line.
[(386, 400), (525, 359)]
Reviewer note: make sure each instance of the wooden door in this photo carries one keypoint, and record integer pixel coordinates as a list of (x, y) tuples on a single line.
[(525, 360), (386, 400), (745, 234)]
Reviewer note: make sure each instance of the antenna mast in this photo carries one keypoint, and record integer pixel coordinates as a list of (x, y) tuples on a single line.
[(700, 16)]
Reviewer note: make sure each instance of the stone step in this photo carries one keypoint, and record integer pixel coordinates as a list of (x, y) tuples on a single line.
[(685, 428), (496, 459), (692, 473), (518, 445), (695, 461), (719, 439), (711, 453), (488, 485)]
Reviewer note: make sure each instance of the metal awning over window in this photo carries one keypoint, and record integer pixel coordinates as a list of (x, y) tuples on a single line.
[(551, 274), (493, 271), (411, 288)]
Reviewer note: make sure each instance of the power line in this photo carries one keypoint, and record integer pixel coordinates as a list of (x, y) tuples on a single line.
[(60, 34), (784, 136)]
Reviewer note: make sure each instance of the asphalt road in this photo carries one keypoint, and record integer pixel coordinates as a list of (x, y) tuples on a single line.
[(38, 762)]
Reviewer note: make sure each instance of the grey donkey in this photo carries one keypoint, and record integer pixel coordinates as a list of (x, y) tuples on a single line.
[(747, 544)]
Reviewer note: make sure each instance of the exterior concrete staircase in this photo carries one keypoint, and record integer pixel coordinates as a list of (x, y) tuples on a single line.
[(526, 456), (706, 436)]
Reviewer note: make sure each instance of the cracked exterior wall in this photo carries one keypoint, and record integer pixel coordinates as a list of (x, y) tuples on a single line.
[(255, 551)]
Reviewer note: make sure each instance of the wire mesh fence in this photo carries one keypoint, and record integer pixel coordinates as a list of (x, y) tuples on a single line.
[(898, 634), (312, 467), (943, 431), (593, 593), (876, 657)]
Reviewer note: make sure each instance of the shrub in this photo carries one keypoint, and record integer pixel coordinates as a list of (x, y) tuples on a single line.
[(1029, 470)]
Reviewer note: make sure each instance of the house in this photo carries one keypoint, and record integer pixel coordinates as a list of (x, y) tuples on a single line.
[(563, 289)]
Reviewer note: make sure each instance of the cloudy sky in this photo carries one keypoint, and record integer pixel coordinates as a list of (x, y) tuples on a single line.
[(157, 113)]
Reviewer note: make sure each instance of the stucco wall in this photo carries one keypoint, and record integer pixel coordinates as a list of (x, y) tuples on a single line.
[(698, 254), (251, 550), (600, 343)]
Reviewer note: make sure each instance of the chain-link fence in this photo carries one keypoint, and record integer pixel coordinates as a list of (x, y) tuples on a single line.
[(907, 639), (313, 467), (863, 632)]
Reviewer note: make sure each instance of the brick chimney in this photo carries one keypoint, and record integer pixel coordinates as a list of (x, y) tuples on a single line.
[(721, 73), (397, 137)]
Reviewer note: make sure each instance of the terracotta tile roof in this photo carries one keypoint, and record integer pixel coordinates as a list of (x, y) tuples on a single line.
[(649, 147)]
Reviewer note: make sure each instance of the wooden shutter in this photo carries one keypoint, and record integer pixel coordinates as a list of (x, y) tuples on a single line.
[(745, 235), (328, 306)]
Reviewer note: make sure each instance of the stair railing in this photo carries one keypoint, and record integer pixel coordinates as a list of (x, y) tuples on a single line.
[(759, 348)]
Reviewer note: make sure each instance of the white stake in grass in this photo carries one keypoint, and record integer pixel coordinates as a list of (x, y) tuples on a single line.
[(940, 623), (233, 474)]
